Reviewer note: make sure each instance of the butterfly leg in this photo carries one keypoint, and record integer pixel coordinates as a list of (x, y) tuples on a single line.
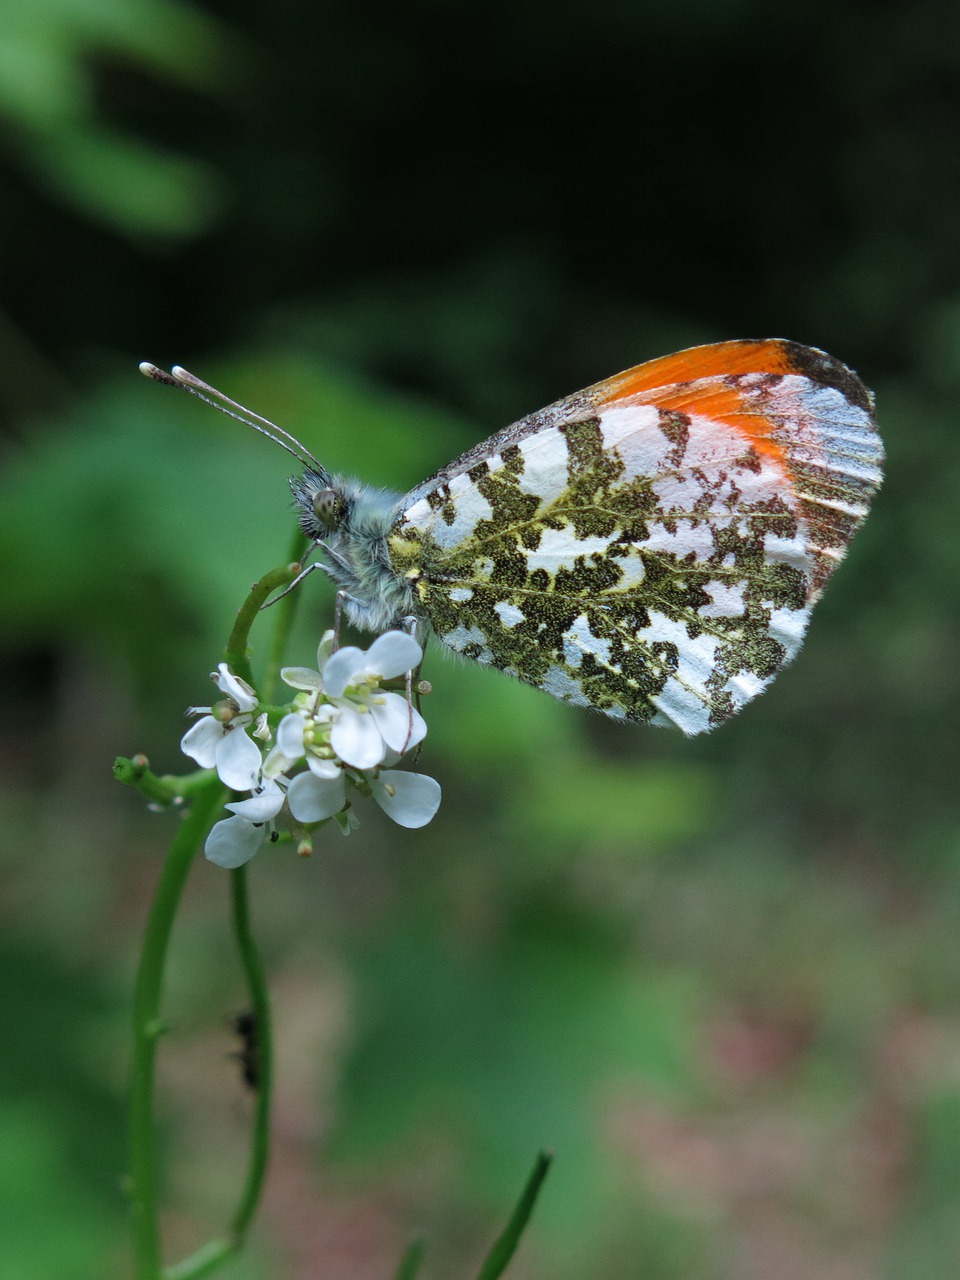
[(295, 583), (339, 601), (412, 680)]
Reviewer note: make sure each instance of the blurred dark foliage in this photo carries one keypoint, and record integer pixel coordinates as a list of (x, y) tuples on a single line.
[(720, 977)]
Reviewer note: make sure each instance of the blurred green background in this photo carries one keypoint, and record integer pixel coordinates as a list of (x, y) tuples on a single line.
[(720, 977)]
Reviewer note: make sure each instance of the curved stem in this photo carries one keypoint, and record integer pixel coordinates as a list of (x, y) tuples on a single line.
[(260, 1007), (412, 1258), (208, 795), (148, 1027), (203, 1262), (165, 789), (236, 653), (214, 1253), (285, 610)]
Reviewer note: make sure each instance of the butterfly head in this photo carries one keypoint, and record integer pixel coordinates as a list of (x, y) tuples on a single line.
[(321, 503)]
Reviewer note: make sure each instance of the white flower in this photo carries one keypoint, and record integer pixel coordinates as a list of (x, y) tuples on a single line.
[(219, 740), (368, 720), (312, 799), (264, 805), (233, 842), (410, 799), (345, 727), (307, 734)]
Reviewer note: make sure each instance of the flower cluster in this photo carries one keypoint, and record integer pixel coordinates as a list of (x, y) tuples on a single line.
[(343, 725)]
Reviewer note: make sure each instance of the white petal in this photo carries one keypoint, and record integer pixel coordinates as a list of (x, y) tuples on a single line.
[(243, 695), (301, 678), (415, 799), (263, 806), (344, 667), (290, 735), (393, 654), (356, 739), (276, 765), (238, 761), (323, 768), (401, 725), (325, 648), (313, 799), (201, 740), (233, 842)]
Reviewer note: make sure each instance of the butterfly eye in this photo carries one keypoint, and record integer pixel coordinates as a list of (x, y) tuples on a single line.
[(329, 506)]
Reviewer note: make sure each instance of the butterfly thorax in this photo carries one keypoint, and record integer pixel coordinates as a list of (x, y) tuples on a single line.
[(350, 522)]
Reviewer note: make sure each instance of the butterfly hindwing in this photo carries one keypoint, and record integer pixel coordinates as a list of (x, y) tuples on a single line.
[(650, 547)]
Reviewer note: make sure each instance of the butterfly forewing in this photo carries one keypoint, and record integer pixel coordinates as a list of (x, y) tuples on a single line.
[(650, 547)]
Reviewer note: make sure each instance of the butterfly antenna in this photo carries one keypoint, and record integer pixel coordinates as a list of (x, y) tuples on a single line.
[(186, 381)]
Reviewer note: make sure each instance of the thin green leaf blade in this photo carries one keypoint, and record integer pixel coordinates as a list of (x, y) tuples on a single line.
[(505, 1245), (412, 1257)]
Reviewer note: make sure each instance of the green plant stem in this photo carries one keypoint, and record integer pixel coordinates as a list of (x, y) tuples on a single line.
[(203, 1262), (409, 1267), (148, 1027), (208, 795), (260, 1006), (165, 789), (209, 1257), (285, 610), (236, 652)]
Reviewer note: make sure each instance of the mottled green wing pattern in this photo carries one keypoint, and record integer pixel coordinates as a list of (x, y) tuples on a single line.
[(652, 564)]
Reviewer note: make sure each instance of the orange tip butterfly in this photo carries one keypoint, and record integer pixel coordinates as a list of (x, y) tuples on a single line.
[(650, 547)]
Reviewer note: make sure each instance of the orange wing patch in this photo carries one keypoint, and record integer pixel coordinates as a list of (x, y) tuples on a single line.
[(703, 381), (716, 360), (798, 407)]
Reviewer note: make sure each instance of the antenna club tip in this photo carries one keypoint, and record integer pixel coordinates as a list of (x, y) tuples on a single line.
[(158, 375)]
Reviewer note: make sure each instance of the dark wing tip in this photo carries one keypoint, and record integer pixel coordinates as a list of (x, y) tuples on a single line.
[(828, 372)]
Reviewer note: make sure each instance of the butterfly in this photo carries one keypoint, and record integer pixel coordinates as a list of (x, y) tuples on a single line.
[(650, 547)]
